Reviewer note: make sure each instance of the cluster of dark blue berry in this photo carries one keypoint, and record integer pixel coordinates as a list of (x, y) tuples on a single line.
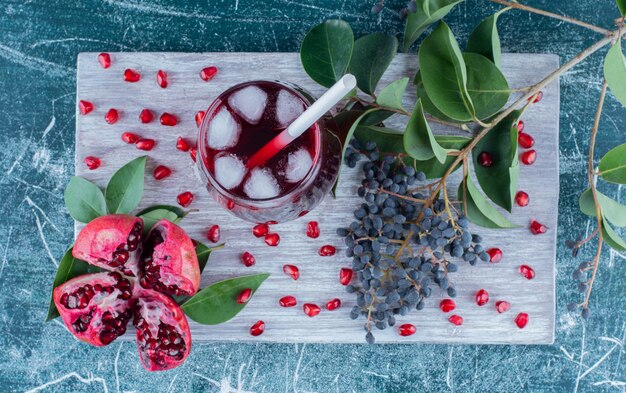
[(401, 244), (580, 276)]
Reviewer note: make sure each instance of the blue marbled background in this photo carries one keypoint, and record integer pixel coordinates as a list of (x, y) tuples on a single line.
[(39, 41)]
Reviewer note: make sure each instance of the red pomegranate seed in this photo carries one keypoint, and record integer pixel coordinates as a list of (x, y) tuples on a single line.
[(146, 116), (192, 153), (92, 162), (528, 157), (213, 233), (303, 213), (485, 159), (258, 328), (247, 259), (145, 144), (537, 228), (333, 304), (287, 301), (260, 230), (161, 78), (522, 198), (312, 229), (502, 306), (406, 329), (199, 117), (112, 116), (181, 144), (525, 140), (527, 272), (482, 297), (456, 320), (292, 270), (208, 73), (130, 138), (85, 107), (244, 296), (161, 172), (184, 199), (537, 97), (521, 320), (447, 305), (327, 250), (345, 275), (105, 60), (520, 126), (272, 239), (495, 255), (230, 205), (167, 119), (131, 75), (311, 309)]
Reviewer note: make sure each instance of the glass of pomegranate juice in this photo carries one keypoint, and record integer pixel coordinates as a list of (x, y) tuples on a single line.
[(241, 121)]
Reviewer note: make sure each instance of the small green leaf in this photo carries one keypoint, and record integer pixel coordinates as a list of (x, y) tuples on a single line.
[(485, 39), (372, 55), (612, 210), (391, 95), (326, 50), (155, 213), (203, 253), (487, 87), (428, 12), (125, 187), (419, 140), (479, 210), (615, 71), (84, 200), (612, 238), (613, 165), (428, 105), (432, 168), (217, 303), (621, 4)]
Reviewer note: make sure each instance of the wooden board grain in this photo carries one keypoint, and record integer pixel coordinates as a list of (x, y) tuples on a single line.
[(318, 283)]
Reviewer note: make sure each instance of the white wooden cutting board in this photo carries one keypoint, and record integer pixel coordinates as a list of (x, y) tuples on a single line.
[(318, 283)]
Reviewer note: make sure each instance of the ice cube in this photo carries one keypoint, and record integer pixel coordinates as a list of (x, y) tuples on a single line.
[(288, 108), (249, 103), (298, 165), (229, 171), (224, 130), (261, 184)]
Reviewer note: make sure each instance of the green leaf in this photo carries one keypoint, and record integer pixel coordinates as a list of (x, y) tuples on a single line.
[(499, 182), (372, 55), (155, 213), (428, 105), (84, 200), (612, 210), (613, 165), (125, 187), (419, 141), (69, 267), (428, 12), (615, 71), (444, 74), (612, 238), (217, 303), (487, 87), (479, 210), (326, 50), (391, 95), (203, 253), (485, 39), (621, 4)]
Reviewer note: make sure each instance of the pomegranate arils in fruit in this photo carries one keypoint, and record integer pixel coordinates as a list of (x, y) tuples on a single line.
[(145, 144), (181, 144), (485, 159), (258, 328), (92, 162), (456, 320), (502, 306), (184, 199), (482, 297), (313, 229), (287, 301), (495, 255), (333, 304), (130, 138), (192, 153), (161, 172), (311, 309), (199, 117), (167, 119), (272, 239), (527, 272), (247, 259), (244, 296), (521, 320), (161, 78), (260, 230), (537, 228), (406, 329), (146, 116), (112, 116), (345, 275), (447, 305), (327, 250), (208, 73), (528, 157), (522, 198), (520, 126), (292, 271), (85, 107), (131, 75), (105, 60), (525, 140), (213, 233)]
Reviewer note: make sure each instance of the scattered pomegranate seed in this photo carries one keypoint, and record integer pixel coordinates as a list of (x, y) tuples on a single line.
[(482, 297), (485, 159), (184, 199), (260, 230), (192, 152), (521, 320), (244, 296), (520, 126), (112, 116), (528, 157), (272, 239), (292, 271), (522, 198), (105, 60), (537, 97), (208, 73), (333, 304), (131, 75), (92, 162), (85, 107), (145, 144), (527, 272), (537, 228), (161, 78), (311, 309), (495, 255), (146, 116), (345, 275), (456, 320), (161, 172), (167, 119), (406, 329), (247, 259), (130, 138), (181, 144), (199, 117), (327, 250), (525, 140), (258, 328), (213, 233), (287, 301), (312, 229), (502, 306), (447, 305)]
